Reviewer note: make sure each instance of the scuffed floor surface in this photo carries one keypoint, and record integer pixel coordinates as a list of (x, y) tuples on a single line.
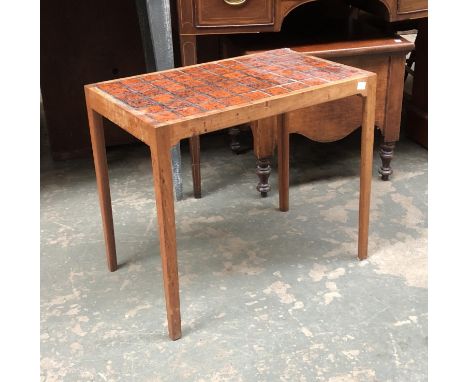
[(265, 295)]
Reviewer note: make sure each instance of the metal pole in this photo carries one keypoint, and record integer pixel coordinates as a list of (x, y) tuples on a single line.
[(155, 22)]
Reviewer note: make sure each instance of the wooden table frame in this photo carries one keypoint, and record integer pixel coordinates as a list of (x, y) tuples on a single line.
[(160, 139)]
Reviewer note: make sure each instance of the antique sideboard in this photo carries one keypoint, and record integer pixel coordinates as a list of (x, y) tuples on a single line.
[(334, 120), (223, 17)]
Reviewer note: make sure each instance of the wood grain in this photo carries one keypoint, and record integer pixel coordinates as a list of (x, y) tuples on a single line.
[(264, 135), (394, 10), (216, 13), (162, 177), (367, 146), (202, 17), (283, 164), (394, 99), (262, 109), (102, 178)]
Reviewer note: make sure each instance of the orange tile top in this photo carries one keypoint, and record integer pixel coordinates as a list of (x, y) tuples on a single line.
[(193, 90)]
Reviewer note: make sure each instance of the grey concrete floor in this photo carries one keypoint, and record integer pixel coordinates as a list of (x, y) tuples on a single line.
[(265, 295)]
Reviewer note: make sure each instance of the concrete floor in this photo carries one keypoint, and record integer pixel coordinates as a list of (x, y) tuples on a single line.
[(265, 295)]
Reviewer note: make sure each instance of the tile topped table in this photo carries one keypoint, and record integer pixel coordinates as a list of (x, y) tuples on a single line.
[(162, 108)]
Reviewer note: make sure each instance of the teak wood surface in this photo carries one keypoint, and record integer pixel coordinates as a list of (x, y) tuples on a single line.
[(162, 108)]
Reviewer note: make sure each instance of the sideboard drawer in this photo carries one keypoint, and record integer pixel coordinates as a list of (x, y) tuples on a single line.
[(405, 6), (222, 13)]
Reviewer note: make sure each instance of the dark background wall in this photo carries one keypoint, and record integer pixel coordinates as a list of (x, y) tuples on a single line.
[(84, 42)]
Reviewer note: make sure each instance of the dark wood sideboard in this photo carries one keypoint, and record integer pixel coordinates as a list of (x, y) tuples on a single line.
[(84, 42), (225, 17), (334, 120)]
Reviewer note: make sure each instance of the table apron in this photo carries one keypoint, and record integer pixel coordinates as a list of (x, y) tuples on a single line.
[(269, 108), (123, 118), (218, 120)]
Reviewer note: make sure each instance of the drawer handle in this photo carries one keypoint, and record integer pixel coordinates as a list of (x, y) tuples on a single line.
[(235, 3)]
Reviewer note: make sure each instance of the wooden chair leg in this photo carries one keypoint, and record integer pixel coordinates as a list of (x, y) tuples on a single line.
[(367, 145), (162, 174), (102, 178), (283, 164), (195, 155)]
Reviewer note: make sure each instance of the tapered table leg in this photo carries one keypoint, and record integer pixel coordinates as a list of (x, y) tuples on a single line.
[(195, 156), (102, 177), (162, 174), (367, 145), (188, 55), (283, 164)]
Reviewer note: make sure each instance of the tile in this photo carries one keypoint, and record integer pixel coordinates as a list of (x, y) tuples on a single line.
[(163, 116), (188, 91), (314, 81), (155, 109), (185, 93), (198, 99), (277, 90), (189, 110), (235, 75), (164, 98), (255, 83), (178, 105), (255, 95), (236, 100), (214, 91), (113, 88), (239, 89), (211, 105), (296, 86)]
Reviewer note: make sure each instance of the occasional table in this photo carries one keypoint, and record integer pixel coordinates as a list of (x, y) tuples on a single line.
[(162, 108)]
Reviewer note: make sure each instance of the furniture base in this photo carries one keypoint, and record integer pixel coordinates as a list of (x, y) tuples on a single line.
[(386, 156), (263, 173), (334, 120), (160, 129)]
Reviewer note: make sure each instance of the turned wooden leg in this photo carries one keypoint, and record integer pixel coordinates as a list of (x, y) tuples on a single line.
[(264, 133), (235, 143), (283, 164), (102, 178), (386, 155), (195, 156), (367, 145), (162, 174), (263, 173)]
